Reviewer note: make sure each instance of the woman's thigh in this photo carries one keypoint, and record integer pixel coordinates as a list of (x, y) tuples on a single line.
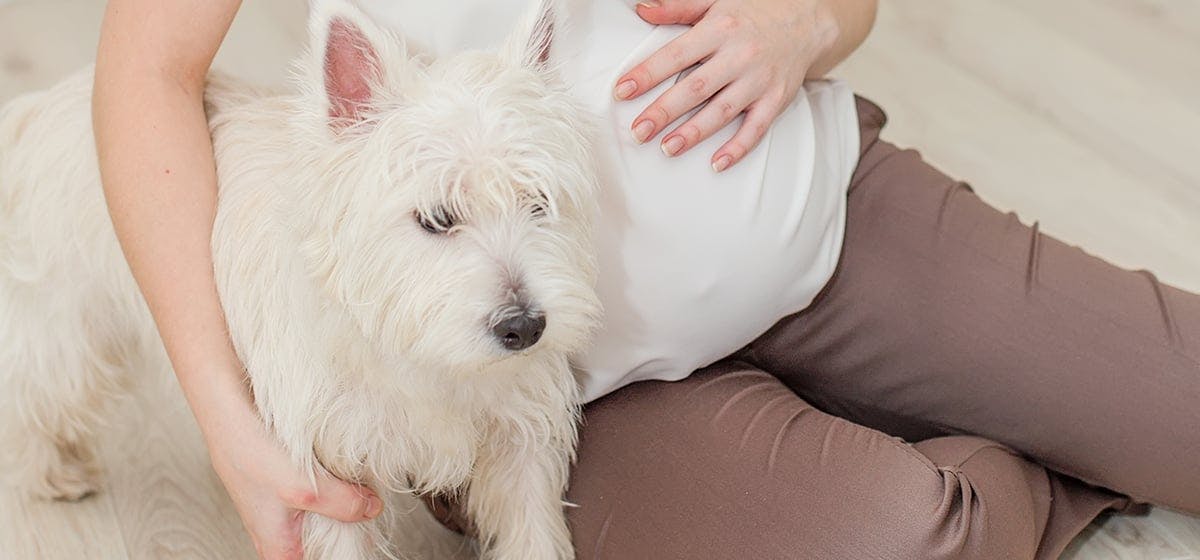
[(948, 316), (729, 463)]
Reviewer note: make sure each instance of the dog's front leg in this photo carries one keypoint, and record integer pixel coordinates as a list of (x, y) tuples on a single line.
[(329, 539), (516, 497)]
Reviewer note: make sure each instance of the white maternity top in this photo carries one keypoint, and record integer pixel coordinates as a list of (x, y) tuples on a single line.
[(693, 264)]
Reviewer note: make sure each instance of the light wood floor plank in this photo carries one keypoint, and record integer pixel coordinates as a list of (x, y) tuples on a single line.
[(1018, 159), (1181, 528), (87, 529), (169, 502), (1085, 94), (1129, 538), (1180, 17), (1138, 40)]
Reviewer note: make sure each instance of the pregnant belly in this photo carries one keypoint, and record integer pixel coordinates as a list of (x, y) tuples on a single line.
[(694, 265)]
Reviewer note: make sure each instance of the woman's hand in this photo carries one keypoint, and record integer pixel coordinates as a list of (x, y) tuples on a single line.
[(753, 57), (270, 494)]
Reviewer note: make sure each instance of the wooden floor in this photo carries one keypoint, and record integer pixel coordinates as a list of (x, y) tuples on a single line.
[(1077, 113)]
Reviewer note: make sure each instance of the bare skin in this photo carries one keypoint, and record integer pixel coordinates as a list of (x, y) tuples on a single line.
[(156, 160)]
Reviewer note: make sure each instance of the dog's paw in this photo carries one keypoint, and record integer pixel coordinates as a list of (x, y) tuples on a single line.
[(68, 481), (52, 472)]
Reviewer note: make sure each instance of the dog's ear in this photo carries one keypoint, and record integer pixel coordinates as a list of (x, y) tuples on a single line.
[(532, 45), (349, 62)]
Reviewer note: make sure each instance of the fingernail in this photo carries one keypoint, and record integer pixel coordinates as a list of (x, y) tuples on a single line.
[(642, 131), (374, 507), (626, 89), (722, 163), (672, 146), (650, 4)]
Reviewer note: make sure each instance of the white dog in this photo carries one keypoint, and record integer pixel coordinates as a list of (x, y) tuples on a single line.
[(403, 254)]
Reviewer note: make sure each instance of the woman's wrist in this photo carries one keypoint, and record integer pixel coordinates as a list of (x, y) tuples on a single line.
[(825, 33), (220, 399), (840, 27)]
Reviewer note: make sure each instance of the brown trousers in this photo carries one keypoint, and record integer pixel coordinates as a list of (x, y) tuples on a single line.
[(1031, 377)]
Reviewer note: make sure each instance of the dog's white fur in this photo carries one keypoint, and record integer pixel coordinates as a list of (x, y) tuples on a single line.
[(366, 338)]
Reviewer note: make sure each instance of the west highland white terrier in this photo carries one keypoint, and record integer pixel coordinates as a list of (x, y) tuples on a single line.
[(402, 251)]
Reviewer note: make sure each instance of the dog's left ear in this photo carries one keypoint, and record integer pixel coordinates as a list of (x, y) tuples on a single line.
[(532, 45), (351, 62)]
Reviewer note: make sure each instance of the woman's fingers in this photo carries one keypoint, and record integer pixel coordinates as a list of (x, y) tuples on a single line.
[(680, 54), (690, 92), (664, 12), (335, 499), (758, 119), (720, 111), (770, 45)]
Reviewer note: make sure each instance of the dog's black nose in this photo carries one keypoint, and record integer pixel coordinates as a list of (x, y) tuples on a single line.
[(520, 332)]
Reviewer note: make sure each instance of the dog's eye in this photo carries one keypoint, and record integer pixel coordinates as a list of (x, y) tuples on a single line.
[(538, 205), (538, 211), (438, 221)]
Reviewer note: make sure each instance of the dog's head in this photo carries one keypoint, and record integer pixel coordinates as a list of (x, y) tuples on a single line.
[(451, 198)]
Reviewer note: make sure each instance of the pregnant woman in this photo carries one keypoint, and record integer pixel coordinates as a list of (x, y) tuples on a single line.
[(888, 367)]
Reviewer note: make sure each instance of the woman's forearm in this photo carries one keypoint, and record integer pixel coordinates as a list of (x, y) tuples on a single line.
[(851, 21), (159, 177)]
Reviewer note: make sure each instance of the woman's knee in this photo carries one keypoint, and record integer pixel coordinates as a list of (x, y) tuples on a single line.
[(994, 504), (730, 463)]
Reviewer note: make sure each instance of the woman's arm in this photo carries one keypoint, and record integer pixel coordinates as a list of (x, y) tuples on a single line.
[(159, 178), (754, 56), (156, 160)]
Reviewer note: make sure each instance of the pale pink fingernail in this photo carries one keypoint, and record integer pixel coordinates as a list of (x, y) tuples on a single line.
[(722, 163), (672, 146), (642, 131), (625, 89), (374, 507)]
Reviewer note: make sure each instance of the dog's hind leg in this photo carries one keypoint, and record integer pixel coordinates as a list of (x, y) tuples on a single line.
[(62, 362), (71, 317)]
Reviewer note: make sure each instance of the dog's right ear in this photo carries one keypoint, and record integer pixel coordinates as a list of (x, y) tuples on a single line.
[(350, 63), (531, 45)]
